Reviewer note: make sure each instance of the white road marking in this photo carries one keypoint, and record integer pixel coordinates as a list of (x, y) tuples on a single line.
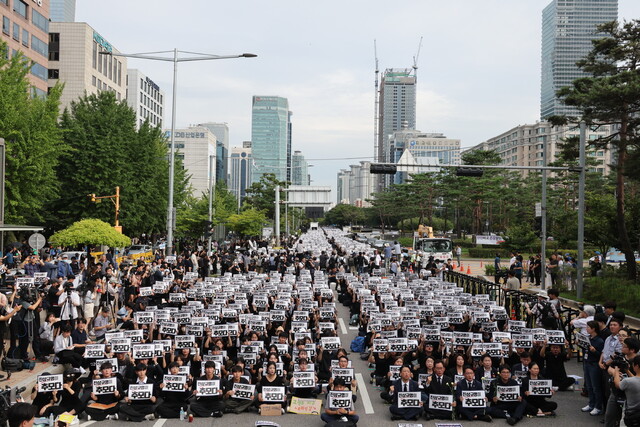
[(160, 422), (87, 423), (366, 402), (343, 328)]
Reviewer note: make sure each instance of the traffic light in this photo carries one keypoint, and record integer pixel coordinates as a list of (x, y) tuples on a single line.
[(475, 172), (93, 197), (208, 225), (382, 169)]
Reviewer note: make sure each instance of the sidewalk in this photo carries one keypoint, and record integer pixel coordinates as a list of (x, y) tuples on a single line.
[(27, 379)]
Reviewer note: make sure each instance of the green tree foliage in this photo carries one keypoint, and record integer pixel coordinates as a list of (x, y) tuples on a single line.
[(92, 232), (343, 214), (32, 139), (611, 96), (521, 238), (247, 223), (105, 151), (193, 214), (261, 195)]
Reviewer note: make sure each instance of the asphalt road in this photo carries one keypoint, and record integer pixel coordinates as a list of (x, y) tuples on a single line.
[(373, 412)]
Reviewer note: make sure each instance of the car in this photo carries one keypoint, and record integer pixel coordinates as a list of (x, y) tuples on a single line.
[(137, 249), (72, 254)]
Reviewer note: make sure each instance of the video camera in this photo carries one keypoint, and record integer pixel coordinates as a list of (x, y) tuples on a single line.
[(618, 360)]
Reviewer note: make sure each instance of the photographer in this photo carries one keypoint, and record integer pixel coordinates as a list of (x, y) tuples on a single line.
[(631, 387), (623, 361), (69, 301), (26, 325)]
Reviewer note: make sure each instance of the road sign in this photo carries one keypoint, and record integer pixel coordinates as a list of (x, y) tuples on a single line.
[(37, 241)]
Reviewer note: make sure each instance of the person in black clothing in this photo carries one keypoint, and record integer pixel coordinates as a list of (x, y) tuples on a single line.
[(108, 403), (555, 358), (469, 382), (140, 409), (207, 406), (438, 383), (542, 405), (513, 411), (43, 400), (69, 396), (173, 401)]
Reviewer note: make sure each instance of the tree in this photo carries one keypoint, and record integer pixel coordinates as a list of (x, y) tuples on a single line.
[(193, 214), (32, 139), (91, 232), (344, 214), (105, 151), (247, 223), (261, 195), (611, 96), (520, 237)]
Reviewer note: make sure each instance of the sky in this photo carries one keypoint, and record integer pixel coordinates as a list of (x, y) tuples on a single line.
[(478, 68)]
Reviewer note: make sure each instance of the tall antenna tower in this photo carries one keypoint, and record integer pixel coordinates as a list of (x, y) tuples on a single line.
[(376, 105)]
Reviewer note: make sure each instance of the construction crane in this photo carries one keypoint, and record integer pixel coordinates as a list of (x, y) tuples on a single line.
[(376, 105), (415, 60)]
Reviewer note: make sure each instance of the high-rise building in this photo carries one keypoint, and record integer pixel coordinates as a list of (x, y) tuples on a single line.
[(221, 131), (425, 148), (63, 10), (75, 60), (568, 27), (25, 28), (356, 185), (299, 169), (523, 145), (195, 146), (270, 137), (240, 171), (145, 97), (397, 104)]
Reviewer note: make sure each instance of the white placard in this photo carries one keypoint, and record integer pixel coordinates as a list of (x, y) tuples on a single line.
[(340, 399), (243, 391), (140, 391), (473, 399), (104, 386), (273, 394), (304, 379), (508, 393), (409, 399), (540, 387), (174, 383), (441, 402), (208, 387), (47, 383)]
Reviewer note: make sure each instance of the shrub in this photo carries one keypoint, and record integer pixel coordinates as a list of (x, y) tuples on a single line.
[(405, 241), (489, 270), (624, 292), (488, 253)]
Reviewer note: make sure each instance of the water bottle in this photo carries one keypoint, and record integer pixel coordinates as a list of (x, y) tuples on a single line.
[(182, 414), (51, 420)]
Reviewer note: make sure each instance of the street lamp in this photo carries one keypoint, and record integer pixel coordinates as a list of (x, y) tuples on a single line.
[(156, 56)]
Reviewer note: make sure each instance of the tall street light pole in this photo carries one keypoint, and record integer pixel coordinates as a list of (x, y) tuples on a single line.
[(193, 56)]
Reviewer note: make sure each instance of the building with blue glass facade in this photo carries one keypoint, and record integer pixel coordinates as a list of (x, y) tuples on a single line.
[(270, 137), (221, 131), (63, 10), (568, 27)]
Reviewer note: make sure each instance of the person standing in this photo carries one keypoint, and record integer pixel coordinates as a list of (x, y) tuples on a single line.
[(459, 254), (593, 374)]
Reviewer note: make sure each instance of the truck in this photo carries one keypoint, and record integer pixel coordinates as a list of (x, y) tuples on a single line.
[(438, 247)]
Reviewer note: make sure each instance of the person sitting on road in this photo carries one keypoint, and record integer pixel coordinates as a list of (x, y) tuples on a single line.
[(405, 384), (339, 414)]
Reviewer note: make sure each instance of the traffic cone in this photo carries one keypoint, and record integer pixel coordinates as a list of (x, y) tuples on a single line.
[(469, 270), (480, 263), (454, 265), (461, 268), (513, 313)]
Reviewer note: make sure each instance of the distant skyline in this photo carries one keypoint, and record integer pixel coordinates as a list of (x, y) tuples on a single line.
[(478, 75)]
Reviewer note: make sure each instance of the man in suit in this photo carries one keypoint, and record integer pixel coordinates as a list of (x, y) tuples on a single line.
[(470, 383), (405, 383), (438, 383)]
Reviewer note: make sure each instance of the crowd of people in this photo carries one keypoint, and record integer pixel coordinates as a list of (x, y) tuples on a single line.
[(249, 329)]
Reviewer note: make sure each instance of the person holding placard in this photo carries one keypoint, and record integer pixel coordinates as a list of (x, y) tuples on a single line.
[(399, 410), (211, 404), (140, 405), (270, 379), (538, 398), (507, 398), (337, 409), (43, 400), (486, 369), (69, 396), (438, 384), (174, 395), (234, 404), (305, 392), (555, 356), (470, 384), (105, 403)]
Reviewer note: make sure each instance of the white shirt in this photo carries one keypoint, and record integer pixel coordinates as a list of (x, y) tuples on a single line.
[(69, 311)]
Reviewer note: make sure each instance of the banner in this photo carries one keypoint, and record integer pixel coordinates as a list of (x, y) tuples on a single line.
[(440, 402), (409, 399), (340, 399), (104, 386), (174, 383), (273, 394), (48, 383), (140, 391), (473, 399)]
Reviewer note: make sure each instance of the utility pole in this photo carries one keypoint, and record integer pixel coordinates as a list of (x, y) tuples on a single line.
[(581, 207), (277, 215), (116, 201), (543, 218), (211, 174)]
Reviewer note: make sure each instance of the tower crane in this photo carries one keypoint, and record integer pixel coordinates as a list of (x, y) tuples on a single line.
[(415, 60)]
